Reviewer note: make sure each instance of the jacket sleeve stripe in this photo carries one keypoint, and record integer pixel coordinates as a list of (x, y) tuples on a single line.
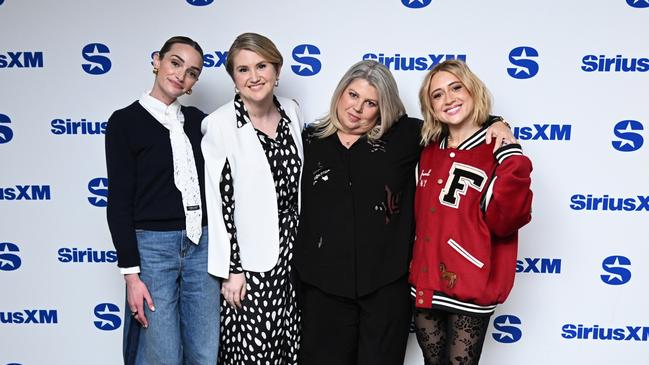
[(506, 151)]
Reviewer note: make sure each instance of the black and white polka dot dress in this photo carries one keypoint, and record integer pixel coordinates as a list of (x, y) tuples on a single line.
[(265, 330)]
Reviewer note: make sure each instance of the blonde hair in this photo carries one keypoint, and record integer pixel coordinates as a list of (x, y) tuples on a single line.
[(390, 105), (256, 43), (433, 129)]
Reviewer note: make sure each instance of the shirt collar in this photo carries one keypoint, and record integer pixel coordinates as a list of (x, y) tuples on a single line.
[(243, 117), (159, 110), (477, 139)]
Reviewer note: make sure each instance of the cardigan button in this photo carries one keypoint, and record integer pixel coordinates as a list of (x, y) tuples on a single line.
[(420, 301), (440, 181), (452, 154), (432, 209), (421, 293), (424, 269)]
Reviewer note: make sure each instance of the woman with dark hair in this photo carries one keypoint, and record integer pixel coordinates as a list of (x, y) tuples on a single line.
[(357, 223), (470, 203), (157, 218), (253, 159)]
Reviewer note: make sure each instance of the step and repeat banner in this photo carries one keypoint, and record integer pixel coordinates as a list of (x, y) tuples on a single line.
[(571, 77)]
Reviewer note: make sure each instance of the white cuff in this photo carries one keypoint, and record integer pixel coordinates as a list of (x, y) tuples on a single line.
[(129, 270)]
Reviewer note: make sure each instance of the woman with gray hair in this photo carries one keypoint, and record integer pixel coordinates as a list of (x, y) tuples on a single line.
[(356, 223)]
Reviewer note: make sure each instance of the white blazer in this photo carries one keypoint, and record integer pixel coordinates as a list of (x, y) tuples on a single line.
[(255, 213)]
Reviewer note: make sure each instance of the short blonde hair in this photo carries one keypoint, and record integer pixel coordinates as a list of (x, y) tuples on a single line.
[(256, 43), (433, 128), (390, 105)]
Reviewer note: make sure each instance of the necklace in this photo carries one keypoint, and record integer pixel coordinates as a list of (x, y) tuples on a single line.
[(347, 139), (450, 142)]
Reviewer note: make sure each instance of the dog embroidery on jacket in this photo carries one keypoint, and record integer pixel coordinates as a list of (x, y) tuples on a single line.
[(451, 277)]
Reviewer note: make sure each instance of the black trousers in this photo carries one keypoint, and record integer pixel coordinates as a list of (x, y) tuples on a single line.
[(370, 330)]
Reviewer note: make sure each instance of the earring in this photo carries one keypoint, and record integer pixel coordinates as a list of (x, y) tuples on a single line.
[(188, 92), (155, 70), (276, 82), (236, 91)]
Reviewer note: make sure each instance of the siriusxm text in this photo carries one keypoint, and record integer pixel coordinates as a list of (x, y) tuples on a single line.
[(582, 332), (405, 63), (602, 63), (89, 255), (26, 192), (21, 60), (538, 265), (210, 59), (68, 126), (544, 132), (30, 316), (607, 203)]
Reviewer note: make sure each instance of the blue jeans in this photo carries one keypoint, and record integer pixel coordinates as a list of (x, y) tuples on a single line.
[(184, 329)]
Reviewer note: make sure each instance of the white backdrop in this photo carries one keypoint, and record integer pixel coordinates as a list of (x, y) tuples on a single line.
[(570, 76)]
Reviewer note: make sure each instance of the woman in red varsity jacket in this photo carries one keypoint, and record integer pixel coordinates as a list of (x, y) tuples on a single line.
[(469, 204)]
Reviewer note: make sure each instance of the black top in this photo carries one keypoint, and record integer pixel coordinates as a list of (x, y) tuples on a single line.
[(141, 189), (357, 226)]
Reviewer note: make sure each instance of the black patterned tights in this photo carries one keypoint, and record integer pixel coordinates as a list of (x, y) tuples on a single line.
[(447, 338)]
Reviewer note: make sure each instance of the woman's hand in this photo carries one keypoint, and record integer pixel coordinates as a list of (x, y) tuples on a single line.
[(234, 289), (136, 294), (501, 135)]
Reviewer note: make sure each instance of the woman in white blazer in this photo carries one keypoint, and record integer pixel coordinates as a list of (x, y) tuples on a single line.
[(253, 161)]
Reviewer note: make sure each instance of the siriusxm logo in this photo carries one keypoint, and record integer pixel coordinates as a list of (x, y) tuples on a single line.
[(26, 192), (601, 63), (416, 4), (199, 2), (67, 126), (6, 134), (67, 254), (30, 316), (525, 66), (538, 266), (506, 329), (616, 268), (628, 333), (108, 315), (606, 203), (9, 259), (417, 63), (99, 188), (544, 132), (638, 3), (215, 59), (629, 139), (94, 53), (21, 60), (307, 64)]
